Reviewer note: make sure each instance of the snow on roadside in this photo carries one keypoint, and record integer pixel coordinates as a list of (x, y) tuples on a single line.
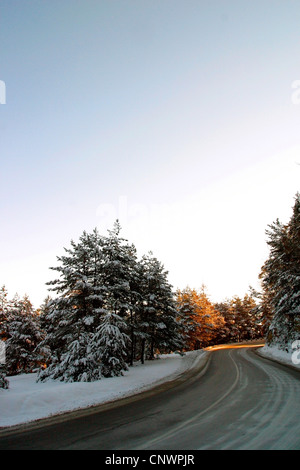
[(288, 358), (26, 400)]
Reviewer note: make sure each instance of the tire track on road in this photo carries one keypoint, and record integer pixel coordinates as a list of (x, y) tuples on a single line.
[(190, 422), (277, 420)]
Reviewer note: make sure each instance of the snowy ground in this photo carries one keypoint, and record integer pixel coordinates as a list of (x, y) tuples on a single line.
[(26, 400), (289, 358)]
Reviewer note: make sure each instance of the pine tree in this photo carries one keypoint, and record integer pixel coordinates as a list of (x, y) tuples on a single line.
[(262, 312), (280, 277), (24, 337), (210, 320), (43, 348), (4, 383), (229, 330), (134, 318), (159, 327), (76, 364), (96, 280), (120, 277), (109, 345), (118, 272), (4, 311), (104, 297), (202, 322), (242, 321), (188, 309), (74, 315), (253, 328)]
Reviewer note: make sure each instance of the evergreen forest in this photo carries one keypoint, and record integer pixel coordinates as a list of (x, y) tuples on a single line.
[(107, 308)]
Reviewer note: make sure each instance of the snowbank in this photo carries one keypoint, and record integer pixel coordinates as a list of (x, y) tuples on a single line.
[(26, 400), (287, 358)]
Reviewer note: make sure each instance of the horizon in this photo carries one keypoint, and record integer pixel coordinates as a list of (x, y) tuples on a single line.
[(181, 120)]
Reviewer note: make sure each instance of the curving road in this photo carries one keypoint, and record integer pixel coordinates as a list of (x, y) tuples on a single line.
[(240, 401)]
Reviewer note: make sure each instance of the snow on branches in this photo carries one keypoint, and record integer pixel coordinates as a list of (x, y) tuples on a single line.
[(110, 309)]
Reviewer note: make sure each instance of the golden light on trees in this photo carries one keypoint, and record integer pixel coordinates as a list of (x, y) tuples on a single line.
[(201, 322)]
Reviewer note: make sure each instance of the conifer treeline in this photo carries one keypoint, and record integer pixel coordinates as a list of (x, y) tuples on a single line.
[(111, 309), (280, 279), (20, 333)]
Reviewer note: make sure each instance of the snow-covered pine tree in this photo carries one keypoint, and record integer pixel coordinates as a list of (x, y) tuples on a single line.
[(134, 321), (262, 312), (105, 295), (187, 315), (280, 277), (291, 280), (242, 310), (3, 335), (118, 271), (120, 278), (110, 345), (24, 336), (252, 322), (43, 349), (158, 311), (95, 281), (4, 383), (4, 312), (74, 315)]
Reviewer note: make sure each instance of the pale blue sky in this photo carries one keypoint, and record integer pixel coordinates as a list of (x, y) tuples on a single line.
[(163, 111)]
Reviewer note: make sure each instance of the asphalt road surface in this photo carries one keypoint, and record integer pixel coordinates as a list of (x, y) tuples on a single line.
[(239, 401)]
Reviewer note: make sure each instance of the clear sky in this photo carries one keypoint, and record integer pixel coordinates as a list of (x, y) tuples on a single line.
[(176, 116)]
